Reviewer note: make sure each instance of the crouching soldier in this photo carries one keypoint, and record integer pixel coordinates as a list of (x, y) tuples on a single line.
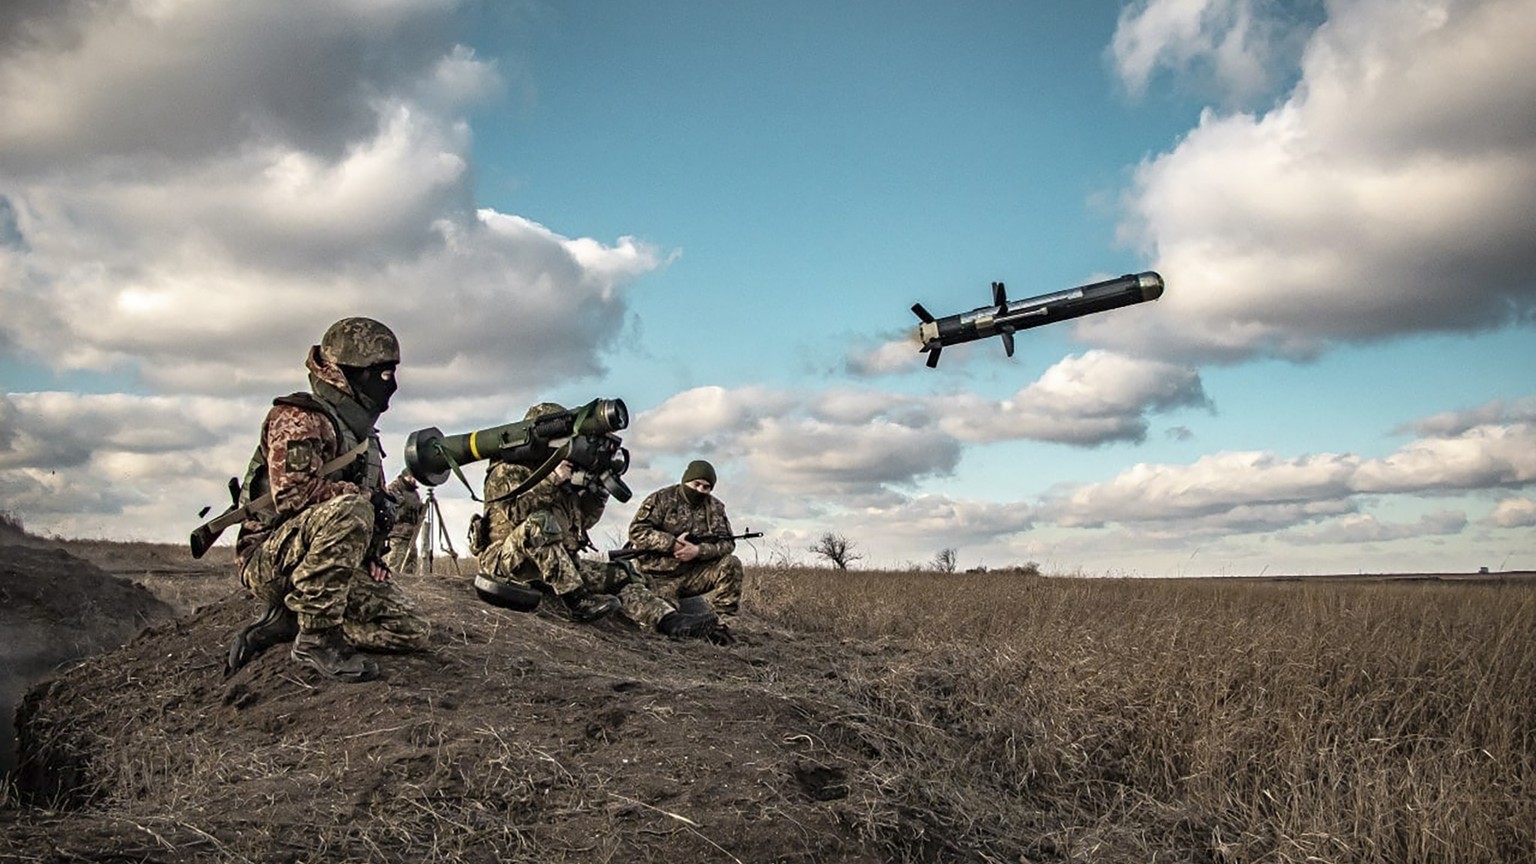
[(528, 543), (313, 558)]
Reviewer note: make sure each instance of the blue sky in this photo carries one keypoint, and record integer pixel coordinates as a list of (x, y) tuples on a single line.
[(722, 213)]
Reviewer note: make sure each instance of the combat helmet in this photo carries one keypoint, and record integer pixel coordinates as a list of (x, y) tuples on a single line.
[(359, 342)]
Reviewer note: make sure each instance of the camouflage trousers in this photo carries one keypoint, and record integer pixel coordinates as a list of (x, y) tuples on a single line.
[(534, 554), (719, 579), (314, 564), (401, 557)]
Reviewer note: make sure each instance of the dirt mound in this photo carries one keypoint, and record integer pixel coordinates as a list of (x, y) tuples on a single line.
[(54, 608), (514, 737)]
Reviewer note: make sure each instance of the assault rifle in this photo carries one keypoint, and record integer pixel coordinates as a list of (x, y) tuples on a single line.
[(629, 552)]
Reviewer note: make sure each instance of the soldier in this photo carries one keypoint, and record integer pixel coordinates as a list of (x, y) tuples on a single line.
[(314, 558), (685, 544), (409, 511), (534, 538)]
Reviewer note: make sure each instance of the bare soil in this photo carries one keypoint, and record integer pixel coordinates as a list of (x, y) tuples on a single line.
[(514, 737)]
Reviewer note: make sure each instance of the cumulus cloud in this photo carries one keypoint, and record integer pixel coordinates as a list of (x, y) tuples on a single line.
[(1449, 423), (1089, 399), (1234, 484), (1514, 513), (194, 190), (1388, 193), (862, 442), (1237, 47)]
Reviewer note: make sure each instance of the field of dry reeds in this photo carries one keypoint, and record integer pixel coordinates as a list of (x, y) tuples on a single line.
[(1286, 721)]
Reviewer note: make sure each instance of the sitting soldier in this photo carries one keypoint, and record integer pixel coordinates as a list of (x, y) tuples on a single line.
[(534, 538), (685, 545)]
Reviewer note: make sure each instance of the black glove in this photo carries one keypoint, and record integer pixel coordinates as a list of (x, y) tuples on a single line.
[(383, 511)]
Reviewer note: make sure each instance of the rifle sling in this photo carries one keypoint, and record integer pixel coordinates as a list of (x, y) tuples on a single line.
[(236, 515)]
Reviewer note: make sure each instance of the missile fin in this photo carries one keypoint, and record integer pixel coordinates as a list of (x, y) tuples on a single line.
[(933, 356), (1008, 341), (920, 312), (999, 294)]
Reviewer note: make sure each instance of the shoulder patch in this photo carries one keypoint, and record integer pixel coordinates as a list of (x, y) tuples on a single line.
[(301, 454)]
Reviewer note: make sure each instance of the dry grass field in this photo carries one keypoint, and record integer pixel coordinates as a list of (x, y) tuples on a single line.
[(861, 716), (1370, 720)]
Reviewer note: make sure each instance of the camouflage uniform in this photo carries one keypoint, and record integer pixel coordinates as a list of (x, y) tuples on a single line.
[(409, 511), (311, 552), (667, 513), (537, 538)]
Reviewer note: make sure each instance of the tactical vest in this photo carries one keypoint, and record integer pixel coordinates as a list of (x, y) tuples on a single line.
[(367, 472)]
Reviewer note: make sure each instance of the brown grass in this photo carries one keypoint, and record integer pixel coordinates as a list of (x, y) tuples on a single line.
[(1271, 721), (911, 716)]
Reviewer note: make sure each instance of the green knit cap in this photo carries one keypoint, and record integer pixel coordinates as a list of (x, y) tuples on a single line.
[(698, 469)]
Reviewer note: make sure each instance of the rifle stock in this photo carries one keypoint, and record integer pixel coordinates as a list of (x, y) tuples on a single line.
[(630, 553), (205, 535)]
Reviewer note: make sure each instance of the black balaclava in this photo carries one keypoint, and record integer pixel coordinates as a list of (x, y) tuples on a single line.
[(372, 385)]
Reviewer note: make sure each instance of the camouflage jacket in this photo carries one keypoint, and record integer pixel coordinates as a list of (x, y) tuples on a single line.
[(575, 510), (664, 515), (409, 508), (301, 433)]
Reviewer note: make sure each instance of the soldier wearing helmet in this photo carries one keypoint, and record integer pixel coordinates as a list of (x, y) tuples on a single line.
[(315, 558), (534, 539)]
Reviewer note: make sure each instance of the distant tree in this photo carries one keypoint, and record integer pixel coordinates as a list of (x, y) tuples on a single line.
[(946, 560), (837, 549)]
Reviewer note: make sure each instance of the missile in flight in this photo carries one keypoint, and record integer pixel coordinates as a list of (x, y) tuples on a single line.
[(1005, 317)]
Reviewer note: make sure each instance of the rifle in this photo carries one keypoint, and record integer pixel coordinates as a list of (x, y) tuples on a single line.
[(628, 553), (204, 535)]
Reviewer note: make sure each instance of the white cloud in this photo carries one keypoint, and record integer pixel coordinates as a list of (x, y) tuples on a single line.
[(1368, 529), (1514, 513), (1224, 484), (195, 190), (1237, 47), (1388, 194), (1087, 399)]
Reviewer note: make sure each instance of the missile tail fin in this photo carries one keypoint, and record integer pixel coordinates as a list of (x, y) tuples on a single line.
[(920, 312), (933, 356), (999, 294), (1008, 341)]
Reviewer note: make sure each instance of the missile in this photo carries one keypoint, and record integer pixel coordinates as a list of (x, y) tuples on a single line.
[(1005, 317)]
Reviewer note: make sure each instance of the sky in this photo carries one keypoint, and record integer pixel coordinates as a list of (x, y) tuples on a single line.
[(722, 214)]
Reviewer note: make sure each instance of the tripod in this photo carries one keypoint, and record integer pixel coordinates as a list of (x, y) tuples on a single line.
[(432, 523)]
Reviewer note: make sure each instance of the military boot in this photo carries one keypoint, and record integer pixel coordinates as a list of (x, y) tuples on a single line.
[(688, 625), (585, 606), (329, 651), (278, 624)]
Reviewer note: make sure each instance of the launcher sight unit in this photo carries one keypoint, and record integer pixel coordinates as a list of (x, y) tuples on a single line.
[(583, 436), (1004, 317)]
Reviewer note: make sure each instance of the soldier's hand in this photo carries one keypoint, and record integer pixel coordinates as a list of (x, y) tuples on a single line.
[(563, 471), (378, 570), (684, 549)]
